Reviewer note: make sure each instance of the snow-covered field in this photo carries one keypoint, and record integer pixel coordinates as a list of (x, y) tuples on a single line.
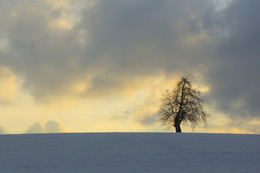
[(129, 153)]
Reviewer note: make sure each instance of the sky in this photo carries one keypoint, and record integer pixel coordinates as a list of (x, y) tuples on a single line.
[(102, 66)]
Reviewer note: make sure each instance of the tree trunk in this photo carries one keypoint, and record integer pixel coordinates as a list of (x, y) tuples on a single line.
[(178, 128)]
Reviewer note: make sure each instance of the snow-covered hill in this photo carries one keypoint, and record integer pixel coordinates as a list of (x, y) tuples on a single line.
[(129, 153)]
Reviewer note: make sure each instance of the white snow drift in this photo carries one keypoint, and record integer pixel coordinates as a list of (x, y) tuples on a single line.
[(129, 153)]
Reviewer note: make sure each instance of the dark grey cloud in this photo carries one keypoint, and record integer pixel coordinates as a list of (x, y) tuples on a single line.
[(43, 56), (140, 37), (117, 40), (123, 38), (234, 79)]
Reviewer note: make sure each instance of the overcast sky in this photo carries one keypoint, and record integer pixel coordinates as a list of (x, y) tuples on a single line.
[(102, 65)]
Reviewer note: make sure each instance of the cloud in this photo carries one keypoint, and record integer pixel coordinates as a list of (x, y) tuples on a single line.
[(52, 126), (107, 46), (36, 128), (233, 80), (2, 131)]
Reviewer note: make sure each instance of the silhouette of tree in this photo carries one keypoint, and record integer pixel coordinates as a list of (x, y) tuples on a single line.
[(182, 104)]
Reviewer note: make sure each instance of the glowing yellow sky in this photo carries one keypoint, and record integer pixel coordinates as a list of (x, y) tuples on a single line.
[(115, 113)]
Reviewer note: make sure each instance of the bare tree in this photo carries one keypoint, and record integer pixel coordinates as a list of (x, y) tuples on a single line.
[(182, 104)]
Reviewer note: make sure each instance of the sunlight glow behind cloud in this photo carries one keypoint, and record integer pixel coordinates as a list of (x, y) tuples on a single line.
[(8, 85)]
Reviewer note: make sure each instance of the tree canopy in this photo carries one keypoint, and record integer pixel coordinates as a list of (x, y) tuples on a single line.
[(182, 104)]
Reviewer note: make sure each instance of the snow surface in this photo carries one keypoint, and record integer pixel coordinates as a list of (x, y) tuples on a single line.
[(129, 153)]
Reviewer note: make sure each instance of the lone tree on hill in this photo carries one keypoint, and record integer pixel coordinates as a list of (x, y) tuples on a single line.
[(182, 104)]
